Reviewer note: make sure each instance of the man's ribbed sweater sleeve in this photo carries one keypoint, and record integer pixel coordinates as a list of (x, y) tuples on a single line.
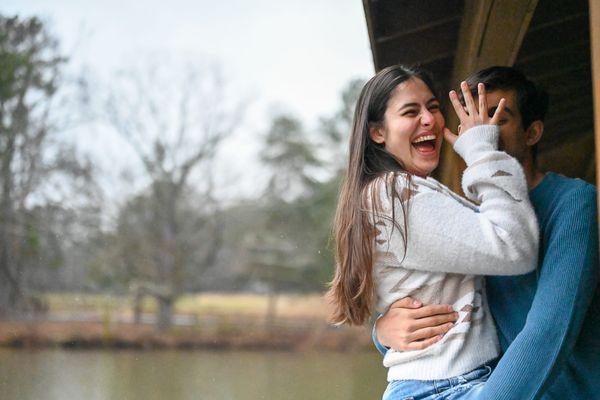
[(567, 280), (380, 348)]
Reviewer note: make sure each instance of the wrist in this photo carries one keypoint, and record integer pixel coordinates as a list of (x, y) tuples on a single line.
[(477, 140), (380, 340)]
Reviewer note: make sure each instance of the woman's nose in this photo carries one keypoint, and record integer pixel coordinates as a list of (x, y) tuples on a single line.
[(426, 118)]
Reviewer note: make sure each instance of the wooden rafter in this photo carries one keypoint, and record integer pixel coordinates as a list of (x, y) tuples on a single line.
[(369, 18)]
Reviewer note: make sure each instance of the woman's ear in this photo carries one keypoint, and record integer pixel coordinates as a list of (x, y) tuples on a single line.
[(377, 134), (534, 133)]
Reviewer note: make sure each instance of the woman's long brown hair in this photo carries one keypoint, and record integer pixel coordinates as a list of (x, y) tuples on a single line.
[(351, 290)]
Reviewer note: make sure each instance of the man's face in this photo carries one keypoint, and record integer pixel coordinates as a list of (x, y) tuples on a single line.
[(512, 134)]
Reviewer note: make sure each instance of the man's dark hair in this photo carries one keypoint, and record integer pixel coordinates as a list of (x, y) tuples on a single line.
[(532, 100)]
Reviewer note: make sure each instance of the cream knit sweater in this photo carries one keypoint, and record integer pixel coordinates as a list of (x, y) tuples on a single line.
[(451, 243)]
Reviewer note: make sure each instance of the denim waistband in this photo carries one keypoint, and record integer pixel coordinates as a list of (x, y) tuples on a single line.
[(423, 388)]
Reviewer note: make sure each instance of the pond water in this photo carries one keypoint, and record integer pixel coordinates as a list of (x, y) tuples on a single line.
[(178, 375)]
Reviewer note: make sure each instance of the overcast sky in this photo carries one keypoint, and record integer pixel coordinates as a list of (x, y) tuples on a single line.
[(294, 55)]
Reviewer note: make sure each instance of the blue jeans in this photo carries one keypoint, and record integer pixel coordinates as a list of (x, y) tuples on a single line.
[(454, 388)]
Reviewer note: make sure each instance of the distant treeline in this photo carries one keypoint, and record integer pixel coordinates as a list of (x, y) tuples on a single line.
[(174, 235)]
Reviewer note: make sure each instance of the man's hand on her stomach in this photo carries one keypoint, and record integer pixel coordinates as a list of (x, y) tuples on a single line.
[(410, 325)]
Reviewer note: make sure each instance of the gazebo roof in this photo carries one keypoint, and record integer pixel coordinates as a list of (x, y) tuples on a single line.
[(548, 40)]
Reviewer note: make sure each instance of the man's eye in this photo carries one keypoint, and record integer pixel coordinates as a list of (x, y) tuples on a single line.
[(502, 122), (434, 107)]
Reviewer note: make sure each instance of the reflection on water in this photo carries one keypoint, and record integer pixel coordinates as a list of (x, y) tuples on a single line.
[(178, 375)]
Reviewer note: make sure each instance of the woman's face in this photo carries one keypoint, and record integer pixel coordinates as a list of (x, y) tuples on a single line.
[(413, 127)]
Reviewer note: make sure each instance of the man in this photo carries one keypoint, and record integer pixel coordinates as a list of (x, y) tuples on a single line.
[(549, 320)]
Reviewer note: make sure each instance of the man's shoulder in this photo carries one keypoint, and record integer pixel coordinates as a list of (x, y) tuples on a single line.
[(571, 189)]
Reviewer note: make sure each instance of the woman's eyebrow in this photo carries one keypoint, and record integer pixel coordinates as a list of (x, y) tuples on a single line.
[(406, 105)]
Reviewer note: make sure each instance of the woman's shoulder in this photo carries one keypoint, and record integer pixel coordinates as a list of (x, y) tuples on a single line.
[(406, 181), (407, 186), (404, 184)]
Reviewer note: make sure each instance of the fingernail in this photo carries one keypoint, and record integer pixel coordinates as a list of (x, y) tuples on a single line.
[(450, 309), (416, 302)]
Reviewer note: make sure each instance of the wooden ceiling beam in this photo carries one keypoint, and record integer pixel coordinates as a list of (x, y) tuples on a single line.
[(573, 47), (558, 21), (425, 27), (491, 33), (370, 29)]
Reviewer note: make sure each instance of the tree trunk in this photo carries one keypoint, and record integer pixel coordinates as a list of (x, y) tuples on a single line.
[(272, 298), (165, 313), (10, 291), (137, 308)]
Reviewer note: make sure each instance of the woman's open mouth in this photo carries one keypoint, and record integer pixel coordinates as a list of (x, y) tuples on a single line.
[(425, 145)]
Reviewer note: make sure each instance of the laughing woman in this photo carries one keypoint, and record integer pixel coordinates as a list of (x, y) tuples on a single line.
[(399, 232)]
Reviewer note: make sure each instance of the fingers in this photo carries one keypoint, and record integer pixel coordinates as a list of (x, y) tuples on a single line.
[(428, 333), (431, 310), (469, 102), (458, 107), (449, 136), (408, 327), (422, 344), (420, 338), (436, 320), (496, 117), (406, 302), (481, 95)]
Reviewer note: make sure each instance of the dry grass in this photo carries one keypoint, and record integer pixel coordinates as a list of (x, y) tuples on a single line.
[(310, 306), (214, 320)]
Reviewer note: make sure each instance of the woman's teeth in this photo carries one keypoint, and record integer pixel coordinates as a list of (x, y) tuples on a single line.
[(424, 138)]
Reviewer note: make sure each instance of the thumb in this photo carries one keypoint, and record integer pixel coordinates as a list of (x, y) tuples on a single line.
[(406, 302), (449, 136)]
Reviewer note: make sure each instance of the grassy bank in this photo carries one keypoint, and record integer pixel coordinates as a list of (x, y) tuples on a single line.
[(219, 321), (306, 306)]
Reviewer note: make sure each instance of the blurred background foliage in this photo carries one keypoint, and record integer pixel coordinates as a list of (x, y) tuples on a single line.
[(173, 237)]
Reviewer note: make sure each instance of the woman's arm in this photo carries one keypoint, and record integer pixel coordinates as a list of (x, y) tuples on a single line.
[(446, 235)]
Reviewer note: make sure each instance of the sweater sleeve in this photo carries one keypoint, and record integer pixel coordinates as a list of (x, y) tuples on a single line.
[(447, 235), (567, 281)]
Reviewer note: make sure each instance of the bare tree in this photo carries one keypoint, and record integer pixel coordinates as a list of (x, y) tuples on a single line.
[(36, 167), (175, 121)]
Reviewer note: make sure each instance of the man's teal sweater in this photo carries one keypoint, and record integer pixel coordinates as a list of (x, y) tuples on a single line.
[(549, 320)]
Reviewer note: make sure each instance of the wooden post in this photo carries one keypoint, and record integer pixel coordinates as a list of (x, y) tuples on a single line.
[(595, 50)]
